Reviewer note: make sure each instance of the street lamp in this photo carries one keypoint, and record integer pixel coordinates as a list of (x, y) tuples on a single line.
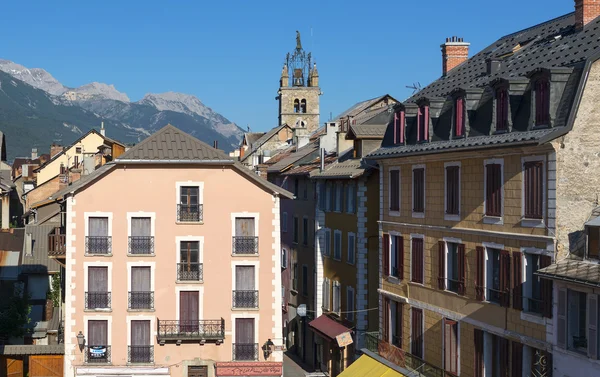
[(81, 340), (267, 348)]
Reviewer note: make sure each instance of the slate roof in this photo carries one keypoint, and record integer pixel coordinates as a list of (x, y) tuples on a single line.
[(32, 349), (348, 169), (252, 137), (292, 158), (170, 144), (368, 131), (38, 261), (12, 239), (574, 271), (359, 107), (307, 168), (263, 139)]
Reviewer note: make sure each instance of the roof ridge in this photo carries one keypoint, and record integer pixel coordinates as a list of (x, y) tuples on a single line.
[(537, 25)]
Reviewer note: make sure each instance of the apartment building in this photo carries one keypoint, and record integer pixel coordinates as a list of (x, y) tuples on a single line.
[(486, 180), (186, 287)]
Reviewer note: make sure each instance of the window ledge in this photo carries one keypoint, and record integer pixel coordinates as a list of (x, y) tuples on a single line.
[(392, 279), (417, 283), (532, 223), (493, 220), (140, 310), (533, 317), (245, 309), (336, 259), (350, 264), (293, 291), (247, 255), (449, 217), (394, 213), (189, 281), (418, 215), (103, 310), (189, 222), (140, 364), (97, 255), (141, 255)]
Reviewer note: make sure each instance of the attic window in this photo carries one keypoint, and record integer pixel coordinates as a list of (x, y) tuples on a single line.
[(459, 117), (399, 121), (542, 102), (502, 109), (423, 123)]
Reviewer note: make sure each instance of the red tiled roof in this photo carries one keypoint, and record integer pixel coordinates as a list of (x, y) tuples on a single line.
[(328, 327)]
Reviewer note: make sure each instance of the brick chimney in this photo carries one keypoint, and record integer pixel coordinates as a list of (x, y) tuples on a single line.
[(454, 52), (586, 11), (55, 149)]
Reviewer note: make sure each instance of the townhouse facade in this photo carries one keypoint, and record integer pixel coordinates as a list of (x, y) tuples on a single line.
[(186, 287), (484, 196)]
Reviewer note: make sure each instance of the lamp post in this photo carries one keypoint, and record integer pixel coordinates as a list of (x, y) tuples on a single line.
[(81, 340)]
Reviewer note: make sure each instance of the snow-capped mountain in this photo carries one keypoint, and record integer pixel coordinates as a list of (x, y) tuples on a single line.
[(36, 77)]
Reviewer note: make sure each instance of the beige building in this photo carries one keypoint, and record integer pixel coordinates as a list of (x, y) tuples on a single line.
[(186, 287)]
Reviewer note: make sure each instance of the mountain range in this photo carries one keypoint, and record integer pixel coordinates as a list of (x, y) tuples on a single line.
[(37, 110)]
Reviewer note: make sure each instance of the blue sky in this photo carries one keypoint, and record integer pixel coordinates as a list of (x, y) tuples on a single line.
[(230, 53)]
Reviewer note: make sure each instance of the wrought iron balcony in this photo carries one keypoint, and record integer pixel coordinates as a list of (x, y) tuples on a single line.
[(244, 245), (97, 354), (98, 245), (535, 305), (57, 245), (140, 354), (190, 271), (141, 245), (245, 299), (192, 213), (245, 351), (97, 300), (201, 330), (141, 300)]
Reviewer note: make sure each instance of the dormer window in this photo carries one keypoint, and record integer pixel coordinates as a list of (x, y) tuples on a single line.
[(502, 109), (542, 102), (399, 121), (593, 244), (423, 123), (459, 117)]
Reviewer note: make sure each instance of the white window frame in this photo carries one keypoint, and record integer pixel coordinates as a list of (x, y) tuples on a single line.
[(534, 223), (86, 217), (450, 217), (335, 233), (492, 219), (327, 241), (486, 247), (179, 185), (152, 320), (107, 318), (421, 236), (284, 258), (152, 266), (390, 212), (254, 316), (527, 315), (152, 216), (326, 304), (200, 240), (86, 266), (419, 215), (350, 198), (448, 240), (350, 308), (391, 250), (444, 343), (284, 220), (337, 284), (352, 260)]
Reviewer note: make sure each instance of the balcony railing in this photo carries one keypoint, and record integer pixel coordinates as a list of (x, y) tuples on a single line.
[(57, 245), (192, 213), (141, 300), (535, 305), (245, 245), (97, 300), (245, 299), (98, 245), (207, 329), (97, 354), (190, 272), (402, 358), (141, 245), (245, 351), (140, 354)]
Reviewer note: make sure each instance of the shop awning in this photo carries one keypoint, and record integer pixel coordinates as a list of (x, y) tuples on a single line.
[(327, 327), (366, 366)]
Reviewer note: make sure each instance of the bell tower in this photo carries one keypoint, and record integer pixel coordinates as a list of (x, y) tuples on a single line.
[(299, 91)]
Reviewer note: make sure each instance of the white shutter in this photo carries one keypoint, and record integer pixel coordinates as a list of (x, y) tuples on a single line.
[(592, 326), (561, 323), (326, 294)]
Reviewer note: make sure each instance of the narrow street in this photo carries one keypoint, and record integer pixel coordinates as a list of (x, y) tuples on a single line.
[(293, 367)]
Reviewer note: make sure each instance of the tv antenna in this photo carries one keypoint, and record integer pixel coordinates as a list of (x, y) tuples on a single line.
[(415, 87)]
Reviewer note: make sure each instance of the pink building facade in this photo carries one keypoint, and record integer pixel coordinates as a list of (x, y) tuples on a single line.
[(173, 265)]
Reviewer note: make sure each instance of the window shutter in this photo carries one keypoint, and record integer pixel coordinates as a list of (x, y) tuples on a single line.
[(459, 120), (592, 326), (400, 256), (478, 335), (441, 265), (386, 319), (402, 123), (505, 278), (386, 254), (503, 345), (517, 281), (462, 269), (517, 359), (546, 288), (479, 290), (561, 323), (399, 324)]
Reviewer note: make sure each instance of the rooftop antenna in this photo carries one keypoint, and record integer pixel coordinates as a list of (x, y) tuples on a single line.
[(248, 127), (415, 87)]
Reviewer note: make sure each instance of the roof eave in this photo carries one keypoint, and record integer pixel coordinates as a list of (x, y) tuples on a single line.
[(568, 279), (196, 162)]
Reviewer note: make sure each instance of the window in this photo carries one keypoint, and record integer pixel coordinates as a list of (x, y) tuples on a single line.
[(97, 347), (98, 240), (533, 189), (141, 349), (189, 207), (502, 109), (327, 240), (326, 294), (76, 162), (284, 221), (397, 257), (305, 225), (77, 149), (593, 246), (451, 346), (399, 121), (337, 297), (98, 295), (141, 240), (350, 304), (296, 187), (296, 230), (189, 267), (303, 106), (332, 198), (245, 237), (395, 190), (339, 197), (497, 276), (337, 245), (284, 259), (296, 106), (493, 190), (459, 117), (305, 280), (454, 266), (417, 260), (542, 102), (396, 324), (577, 324), (419, 190), (304, 190), (351, 258), (537, 292), (244, 348), (295, 276), (141, 295), (245, 294), (423, 123), (351, 198), (452, 191), (577, 339), (417, 332), (499, 356), (323, 195)]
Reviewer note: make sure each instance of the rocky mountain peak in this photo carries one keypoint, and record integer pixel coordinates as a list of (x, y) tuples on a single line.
[(36, 77), (95, 90)]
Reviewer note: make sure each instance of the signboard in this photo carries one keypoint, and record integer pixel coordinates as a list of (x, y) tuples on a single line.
[(301, 310), (344, 339)]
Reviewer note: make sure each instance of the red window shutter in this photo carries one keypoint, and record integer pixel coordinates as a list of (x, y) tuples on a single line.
[(426, 124), (479, 284), (478, 335), (396, 127), (386, 319), (452, 190), (546, 288), (395, 190), (399, 324), (419, 190), (504, 278), (462, 269), (517, 280), (417, 262), (459, 121), (400, 257), (501, 110), (441, 265), (385, 248), (493, 200), (402, 125), (417, 332), (534, 194), (517, 359), (420, 121)]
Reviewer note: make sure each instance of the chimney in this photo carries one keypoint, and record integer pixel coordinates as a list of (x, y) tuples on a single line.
[(102, 130), (216, 144), (34, 154), (585, 12), (322, 158), (55, 149), (454, 52)]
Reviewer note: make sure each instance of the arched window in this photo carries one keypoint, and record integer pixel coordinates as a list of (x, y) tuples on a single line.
[(542, 102), (296, 106), (303, 106), (459, 117)]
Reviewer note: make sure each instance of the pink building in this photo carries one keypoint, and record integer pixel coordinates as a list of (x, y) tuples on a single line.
[(173, 265)]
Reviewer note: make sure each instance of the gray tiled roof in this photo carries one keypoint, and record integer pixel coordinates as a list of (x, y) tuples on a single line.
[(359, 107), (12, 239), (575, 271), (342, 170), (38, 261), (292, 158), (170, 144), (263, 139), (369, 130), (32, 349), (252, 137)]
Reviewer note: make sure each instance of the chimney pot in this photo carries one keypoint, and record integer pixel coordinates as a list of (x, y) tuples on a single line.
[(586, 11), (454, 52)]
